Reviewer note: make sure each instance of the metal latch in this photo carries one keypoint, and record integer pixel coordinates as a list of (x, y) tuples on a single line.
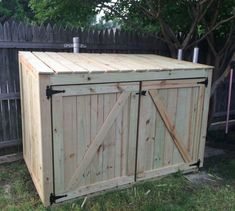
[(50, 92), (143, 92)]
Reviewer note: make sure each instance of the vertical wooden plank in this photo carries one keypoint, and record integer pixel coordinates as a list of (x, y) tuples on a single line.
[(100, 120), (96, 39), (108, 158), (1, 119), (5, 114), (84, 139), (145, 142), (46, 141), (193, 111), (1, 32), (21, 32), (134, 99), (7, 31), (119, 145), (160, 132), (94, 115), (200, 101), (27, 116), (205, 118), (58, 142), (124, 137), (106, 40), (149, 139), (117, 39), (55, 34), (17, 114), (49, 33), (107, 138), (22, 101), (69, 136), (183, 120), (87, 117), (141, 138), (171, 109), (111, 41), (42, 32)]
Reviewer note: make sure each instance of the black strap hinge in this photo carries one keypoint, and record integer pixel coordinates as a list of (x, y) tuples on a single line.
[(143, 92), (205, 82), (53, 198), (196, 164), (50, 92)]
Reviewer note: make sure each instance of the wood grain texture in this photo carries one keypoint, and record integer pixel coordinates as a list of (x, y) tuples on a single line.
[(111, 77), (98, 139), (170, 126), (80, 63)]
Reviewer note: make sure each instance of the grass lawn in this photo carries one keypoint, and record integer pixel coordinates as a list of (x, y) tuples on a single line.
[(173, 192)]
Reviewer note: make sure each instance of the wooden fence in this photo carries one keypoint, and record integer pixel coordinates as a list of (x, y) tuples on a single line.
[(19, 36), (221, 99), (15, 37)]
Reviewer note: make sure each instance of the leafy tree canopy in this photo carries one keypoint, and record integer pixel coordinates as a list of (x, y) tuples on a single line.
[(75, 13), (177, 16), (16, 9)]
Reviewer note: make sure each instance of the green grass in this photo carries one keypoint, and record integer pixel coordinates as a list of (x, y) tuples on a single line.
[(173, 192)]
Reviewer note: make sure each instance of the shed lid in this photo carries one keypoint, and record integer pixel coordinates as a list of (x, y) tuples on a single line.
[(51, 62)]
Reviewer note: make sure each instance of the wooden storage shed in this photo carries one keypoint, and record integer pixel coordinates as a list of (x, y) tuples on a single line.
[(92, 122)]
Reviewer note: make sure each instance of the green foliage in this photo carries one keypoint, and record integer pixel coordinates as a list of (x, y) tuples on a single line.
[(144, 15), (16, 9), (173, 192), (75, 13)]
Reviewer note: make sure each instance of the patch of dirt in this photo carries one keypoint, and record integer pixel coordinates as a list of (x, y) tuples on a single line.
[(203, 177)]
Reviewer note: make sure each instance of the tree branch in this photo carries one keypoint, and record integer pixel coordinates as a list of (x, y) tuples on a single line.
[(213, 50), (227, 43), (199, 15), (221, 78), (211, 30)]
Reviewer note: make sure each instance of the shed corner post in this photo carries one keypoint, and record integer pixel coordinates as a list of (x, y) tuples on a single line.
[(204, 120), (46, 141)]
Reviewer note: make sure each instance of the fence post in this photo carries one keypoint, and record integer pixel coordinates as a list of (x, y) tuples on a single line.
[(229, 95), (180, 54), (195, 54), (76, 44)]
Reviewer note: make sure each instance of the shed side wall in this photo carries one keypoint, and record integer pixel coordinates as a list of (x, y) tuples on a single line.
[(31, 124)]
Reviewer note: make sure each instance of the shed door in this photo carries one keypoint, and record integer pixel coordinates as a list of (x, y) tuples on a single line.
[(94, 137), (169, 126)]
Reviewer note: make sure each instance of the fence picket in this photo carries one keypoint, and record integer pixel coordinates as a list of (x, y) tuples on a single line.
[(49, 33)]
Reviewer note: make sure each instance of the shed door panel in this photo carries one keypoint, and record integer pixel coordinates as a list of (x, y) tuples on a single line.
[(169, 125), (94, 136)]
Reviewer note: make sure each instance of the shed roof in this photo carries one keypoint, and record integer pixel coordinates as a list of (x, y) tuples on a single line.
[(51, 62)]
